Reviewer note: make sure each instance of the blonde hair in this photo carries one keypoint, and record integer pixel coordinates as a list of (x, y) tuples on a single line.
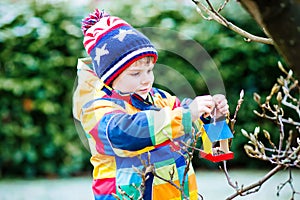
[(144, 61)]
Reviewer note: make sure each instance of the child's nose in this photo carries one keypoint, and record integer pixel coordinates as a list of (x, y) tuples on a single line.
[(147, 78)]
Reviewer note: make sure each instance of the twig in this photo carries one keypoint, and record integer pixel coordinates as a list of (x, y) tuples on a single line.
[(221, 20), (241, 191), (281, 134), (235, 186), (233, 120), (222, 6), (184, 152), (212, 9), (290, 182), (170, 182)]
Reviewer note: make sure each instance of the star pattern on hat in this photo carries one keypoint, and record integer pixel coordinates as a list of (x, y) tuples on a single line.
[(122, 34), (100, 52)]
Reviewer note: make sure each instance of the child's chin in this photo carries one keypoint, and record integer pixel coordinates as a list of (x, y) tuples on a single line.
[(143, 95)]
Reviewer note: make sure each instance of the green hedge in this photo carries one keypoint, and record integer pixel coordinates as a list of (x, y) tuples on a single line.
[(40, 44)]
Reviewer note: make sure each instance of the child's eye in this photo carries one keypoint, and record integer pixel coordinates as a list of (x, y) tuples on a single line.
[(135, 74)]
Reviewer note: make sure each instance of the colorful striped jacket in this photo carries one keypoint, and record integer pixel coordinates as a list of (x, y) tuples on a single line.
[(121, 130)]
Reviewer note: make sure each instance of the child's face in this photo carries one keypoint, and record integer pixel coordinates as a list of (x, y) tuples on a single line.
[(137, 78)]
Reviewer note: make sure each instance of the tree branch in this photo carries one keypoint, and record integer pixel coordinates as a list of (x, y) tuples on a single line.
[(214, 15), (258, 184)]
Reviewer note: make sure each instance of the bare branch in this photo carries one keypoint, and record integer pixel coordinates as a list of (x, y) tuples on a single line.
[(284, 153), (222, 6), (290, 182), (233, 120), (214, 15), (233, 185), (255, 186)]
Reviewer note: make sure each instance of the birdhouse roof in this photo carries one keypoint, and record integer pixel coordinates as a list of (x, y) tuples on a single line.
[(218, 131)]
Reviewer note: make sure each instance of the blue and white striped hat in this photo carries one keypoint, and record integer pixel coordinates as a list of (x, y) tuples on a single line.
[(113, 44)]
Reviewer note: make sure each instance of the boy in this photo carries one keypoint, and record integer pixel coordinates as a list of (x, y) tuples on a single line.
[(126, 119)]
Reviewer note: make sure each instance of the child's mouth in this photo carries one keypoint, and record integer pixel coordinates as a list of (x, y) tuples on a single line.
[(144, 90)]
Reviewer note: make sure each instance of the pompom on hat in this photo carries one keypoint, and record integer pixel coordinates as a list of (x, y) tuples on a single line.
[(113, 44)]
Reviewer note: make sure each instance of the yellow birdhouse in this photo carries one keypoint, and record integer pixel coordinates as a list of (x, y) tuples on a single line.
[(216, 132)]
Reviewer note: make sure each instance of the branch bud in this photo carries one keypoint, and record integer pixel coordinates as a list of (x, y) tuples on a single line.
[(244, 132), (290, 74), (256, 130), (281, 67), (267, 134), (249, 150), (256, 98), (268, 98), (242, 93), (279, 97), (280, 80), (275, 89)]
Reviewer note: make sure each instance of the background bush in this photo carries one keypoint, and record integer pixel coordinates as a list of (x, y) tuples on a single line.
[(40, 44)]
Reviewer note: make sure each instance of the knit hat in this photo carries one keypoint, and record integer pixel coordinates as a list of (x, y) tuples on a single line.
[(113, 44)]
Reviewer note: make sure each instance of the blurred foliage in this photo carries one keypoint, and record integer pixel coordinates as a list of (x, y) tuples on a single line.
[(40, 44)]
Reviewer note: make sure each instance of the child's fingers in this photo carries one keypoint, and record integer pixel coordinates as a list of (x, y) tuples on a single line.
[(220, 101), (204, 98), (224, 110), (221, 104), (218, 97), (205, 103)]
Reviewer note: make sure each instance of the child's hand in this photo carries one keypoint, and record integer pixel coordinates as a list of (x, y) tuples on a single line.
[(221, 105), (201, 105)]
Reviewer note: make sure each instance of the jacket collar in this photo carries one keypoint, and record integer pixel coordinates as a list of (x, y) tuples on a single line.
[(133, 99)]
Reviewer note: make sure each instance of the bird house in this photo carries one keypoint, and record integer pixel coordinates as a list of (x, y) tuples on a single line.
[(217, 132)]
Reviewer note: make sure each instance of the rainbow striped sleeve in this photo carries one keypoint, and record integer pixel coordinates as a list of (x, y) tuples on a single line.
[(130, 135)]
